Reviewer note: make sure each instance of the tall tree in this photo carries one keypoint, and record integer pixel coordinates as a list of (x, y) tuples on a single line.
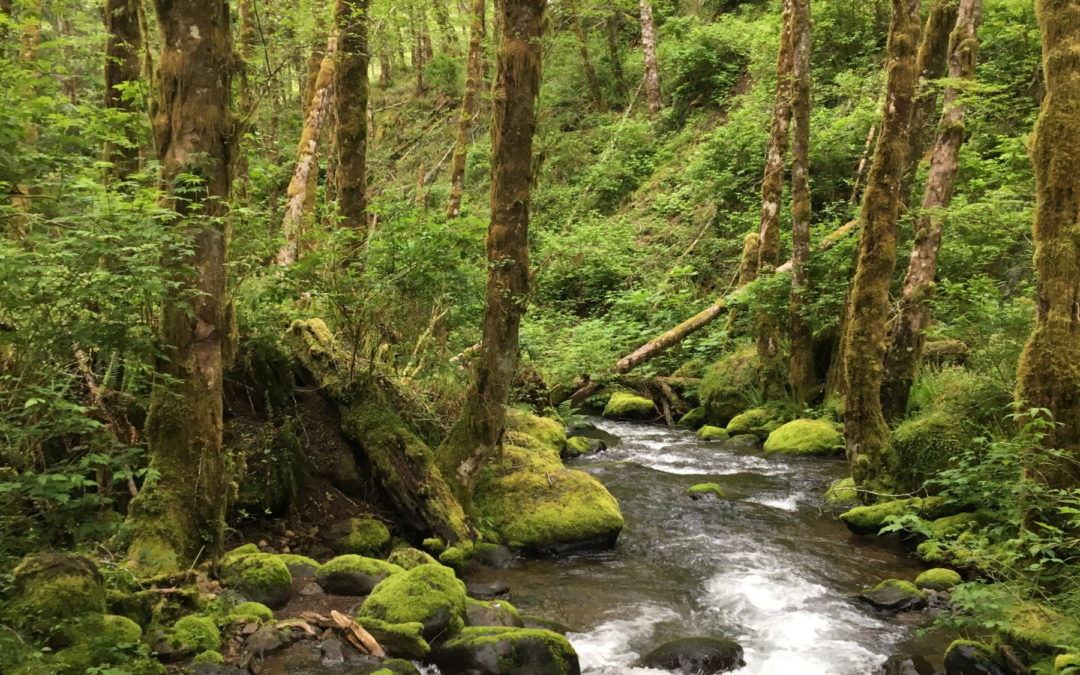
[(801, 361), (906, 347), (1049, 371), (123, 65), (586, 60), (611, 29), (180, 515), (648, 44), (350, 111), (473, 81), (767, 330), (477, 434), (865, 431)]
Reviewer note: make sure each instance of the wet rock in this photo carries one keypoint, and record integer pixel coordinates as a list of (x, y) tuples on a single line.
[(906, 665), (704, 655), (268, 639), (972, 658), (428, 594), (625, 405), (710, 433), (490, 590), (589, 430), (743, 443), (332, 651), (507, 651), (576, 446), (496, 556), (491, 613), (704, 492), (353, 574), (894, 595)]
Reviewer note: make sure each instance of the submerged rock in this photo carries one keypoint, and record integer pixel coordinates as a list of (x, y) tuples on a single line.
[(259, 577), (427, 594), (495, 556), (491, 613), (906, 665), (704, 655), (625, 405), (706, 491), (507, 651), (353, 574), (894, 595), (490, 590), (805, 437), (965, 657)]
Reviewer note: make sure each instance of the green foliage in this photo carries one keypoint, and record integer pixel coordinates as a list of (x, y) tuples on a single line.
[(444, 73)]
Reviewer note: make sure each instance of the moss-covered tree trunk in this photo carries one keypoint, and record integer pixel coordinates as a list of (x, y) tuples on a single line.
[(801, 360), (123, 67), (865, 431), (350, 113), (595, 92), (611, 29), (180, 515), (906, 347), (648, 45), (473, 81), (477, 434), (1049, 372), (767, 327), (748, 272)]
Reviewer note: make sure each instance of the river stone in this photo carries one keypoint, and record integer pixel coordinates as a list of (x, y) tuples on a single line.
[(590, 430), (488, 590), (894, 595), (742, 443), (625, 405), (704, 655), (899, 664), (353, 574), (496, 556), (491, 613), (507, 651), (971, 658)]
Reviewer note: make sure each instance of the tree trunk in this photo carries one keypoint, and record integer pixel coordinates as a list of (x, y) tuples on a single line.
[(350, 103), (1049, 371), (748, 270), (473, 81), (801, 363), (477, 434), (767, 328), (123, 66), (179, 517), (442, 20), (299, 197), (906, 348), (29, 40), (648, 44), (865, 431), (586, 62), (611, 27)]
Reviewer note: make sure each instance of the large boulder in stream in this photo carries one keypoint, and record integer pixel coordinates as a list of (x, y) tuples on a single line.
[(532, 502), (805, 437), (625, 405), (504, 650), (704, 655), (724, 387)]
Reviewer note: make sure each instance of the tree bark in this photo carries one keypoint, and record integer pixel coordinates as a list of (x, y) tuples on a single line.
[(477, 434), (611, 26), (299, 197), (648, 44), (123, 66), (748, 270), (1049, 371), (473, 82), (179, 516), (865, 431), (906, 347), (801, 361), (350, 103), (586, 61), (767, 328)]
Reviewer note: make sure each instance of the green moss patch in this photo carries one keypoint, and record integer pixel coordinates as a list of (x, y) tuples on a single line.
[(705, 491), (252, 611), (353, 574), (625, 405), (758, 422), (724, 387), (711, 433), (842, 491), (507, 651), (51, 588), (404, 640), (427, 594), (361, 536), (693, 419), (195, 633), (259, 577), (408, 558), (938, 579), (805, 437), (870, 519)]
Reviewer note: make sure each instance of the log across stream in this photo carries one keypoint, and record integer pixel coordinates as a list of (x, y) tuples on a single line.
[(768, 566)]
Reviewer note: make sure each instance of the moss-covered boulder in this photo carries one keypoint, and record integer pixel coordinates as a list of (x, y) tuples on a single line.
[(704, 655), (300, 566), (625, 405), (528, 430), (842, 491), (252, 612), (938, 579), (695, 418), (427, 594), (759, 422), (706, 491), (501, 650), (965, 656), (532, 502), (353, 574), (210, 657), (98, 641), (407, 558), (951, 526), (360, 536), (805, 437), (576, 446), (724, 387), (711, 433), (193, 634), (51, 588), (894, 595), (403, 640), (491, 613), (459, 555), (241, 551), (259, 577), (871, 518)]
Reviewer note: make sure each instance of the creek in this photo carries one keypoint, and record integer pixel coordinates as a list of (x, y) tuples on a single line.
[(768, 565)]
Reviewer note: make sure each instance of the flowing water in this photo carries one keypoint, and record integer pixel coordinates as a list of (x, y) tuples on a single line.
[(768, 566)]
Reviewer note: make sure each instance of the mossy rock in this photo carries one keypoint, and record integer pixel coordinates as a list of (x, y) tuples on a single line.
[(759, 422), (527, 430), (842, 491), (407, 558), (951, 526), (894, 595), (805, 437), (360, 536), (240, 551), (108, 642), (434, 545), (252, 611), (532, 502), (300, 566), (491, 613), (871, 518), (209, 656), (576, 446), (724, 387), (938, 579), (354, 574), (403, 640), (51, 588), (194, 633), (625, 405), (259, 577), (711, 433), (507, 651), (459, 555), (694, 418), (705, 491), (967, 656), (705, 654), (396, 667), (427, 594)]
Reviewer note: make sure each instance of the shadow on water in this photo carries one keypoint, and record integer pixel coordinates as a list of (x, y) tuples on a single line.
[(768, 565)]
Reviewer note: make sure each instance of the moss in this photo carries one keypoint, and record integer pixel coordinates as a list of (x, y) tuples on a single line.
[(870, 519), (759, 421), (578, 445), (408, 558), (102, 641), (491, 613), (1067, 664), (396, 667), (693, 419), (938, 579), (53, 587), (1038, 629), (252, 611), (458, 556), (362, 536), (209, 656), (260, 577), (240, 551), (404, 640), (625, 405), (805, 437), (950, 526), (354, 574), (705, 490), (509, 651), (527, 430), (724, 387), (427, 594), (434, 545), (906, 587), (195, 633), (924, 446), (842, 491), (300, 566), (711, 433)]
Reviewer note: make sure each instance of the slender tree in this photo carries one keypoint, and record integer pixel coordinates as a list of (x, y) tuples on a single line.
[(906, 347), (611, 29), (473, 81), (180, 515), (350, 112), (648, 44), (477, 434), (865, 431), (591, 78), (123, 66), (1049, 371), (801, 362)]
